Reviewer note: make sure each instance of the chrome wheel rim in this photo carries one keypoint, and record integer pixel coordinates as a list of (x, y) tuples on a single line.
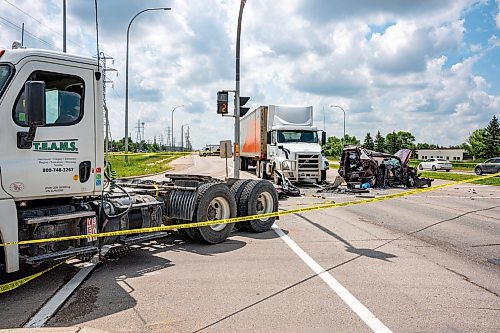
[(264, 204), (218, 209)]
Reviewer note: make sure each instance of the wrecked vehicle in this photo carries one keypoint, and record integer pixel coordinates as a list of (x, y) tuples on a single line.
[(363, 166)]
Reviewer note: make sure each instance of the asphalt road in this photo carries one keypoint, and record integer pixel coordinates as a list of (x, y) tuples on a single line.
[(422, 263)]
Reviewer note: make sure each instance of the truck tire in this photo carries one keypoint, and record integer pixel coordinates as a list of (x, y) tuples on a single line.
[(263, 167), (258, 197), (236, 191), (260, 169), (214, 202), (243, 164)]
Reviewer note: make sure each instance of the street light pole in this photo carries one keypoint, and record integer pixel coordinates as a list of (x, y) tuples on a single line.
[(237, 97), (338, 106), (64, 25), (182, 136), (173, 142), (126, 75)]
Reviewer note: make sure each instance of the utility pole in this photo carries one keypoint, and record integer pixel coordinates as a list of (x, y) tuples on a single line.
[(237, 97), (104, 58), (143, 135), (169, 143), (188, 140), (138, 137), (64, 25)]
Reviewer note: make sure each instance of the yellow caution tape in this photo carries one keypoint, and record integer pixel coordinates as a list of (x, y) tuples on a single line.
[(157, 190), (248, 218), (17, 283)]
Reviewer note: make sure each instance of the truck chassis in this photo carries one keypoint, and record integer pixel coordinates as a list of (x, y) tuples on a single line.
[(137, 204)]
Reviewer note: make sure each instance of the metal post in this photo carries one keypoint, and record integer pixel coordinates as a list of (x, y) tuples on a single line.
[(64, 25), (173, 142), (237, 98), (338, 106), (126, 75), (182, 136)]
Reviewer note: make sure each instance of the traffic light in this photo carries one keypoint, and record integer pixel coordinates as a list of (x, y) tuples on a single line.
[(243, 101), (222, 102)]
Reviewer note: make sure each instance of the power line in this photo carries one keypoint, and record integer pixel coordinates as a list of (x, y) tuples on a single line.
[(14, 26), (40, 22)]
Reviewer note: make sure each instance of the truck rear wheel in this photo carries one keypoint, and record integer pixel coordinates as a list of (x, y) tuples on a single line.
[(258, 197), (214, 202), (236, 191)]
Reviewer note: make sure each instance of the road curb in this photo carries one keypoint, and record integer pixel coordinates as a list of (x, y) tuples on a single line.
[(72, 329)]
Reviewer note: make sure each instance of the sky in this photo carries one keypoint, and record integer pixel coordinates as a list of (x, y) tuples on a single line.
[(428, 67)]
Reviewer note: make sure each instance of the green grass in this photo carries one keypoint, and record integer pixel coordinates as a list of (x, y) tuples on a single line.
[(334, 163), (143, 163), (457, 177)]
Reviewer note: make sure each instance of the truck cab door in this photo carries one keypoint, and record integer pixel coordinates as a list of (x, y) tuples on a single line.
[(61, 159)]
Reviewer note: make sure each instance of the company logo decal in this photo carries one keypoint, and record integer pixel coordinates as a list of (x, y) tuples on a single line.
[(16, 187), (57, 146)]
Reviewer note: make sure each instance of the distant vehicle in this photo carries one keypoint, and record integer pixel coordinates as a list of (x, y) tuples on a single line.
[(210, 150), (490, 166), (435, 164)]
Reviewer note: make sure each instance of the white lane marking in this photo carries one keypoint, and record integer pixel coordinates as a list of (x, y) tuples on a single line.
[(369, 318), (56, 302)]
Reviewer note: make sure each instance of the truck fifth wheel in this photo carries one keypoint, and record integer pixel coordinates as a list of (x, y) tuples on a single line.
[(55, 181)]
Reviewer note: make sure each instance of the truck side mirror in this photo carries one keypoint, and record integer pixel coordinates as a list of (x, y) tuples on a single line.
[(269, 138), (323, 138), (34, 96)]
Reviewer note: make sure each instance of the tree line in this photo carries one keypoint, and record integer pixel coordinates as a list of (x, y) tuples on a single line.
[(143, 146), (482, 143), (390, 143)]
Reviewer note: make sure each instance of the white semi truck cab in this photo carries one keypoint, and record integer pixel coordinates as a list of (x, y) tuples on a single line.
[(54, 181), (282, 138), (295, 146)]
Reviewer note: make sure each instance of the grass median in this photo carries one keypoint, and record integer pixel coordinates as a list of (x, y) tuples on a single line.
[(457, 177), (143, 163)]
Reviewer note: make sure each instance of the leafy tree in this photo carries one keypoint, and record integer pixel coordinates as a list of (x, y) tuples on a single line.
[(426, 146), (337, 144), (475, 143), (379, 142), (368, 143), (492, 139), (393, 142), (406, 139), (350, 140)]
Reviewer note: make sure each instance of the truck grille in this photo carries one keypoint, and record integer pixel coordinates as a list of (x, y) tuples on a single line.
[(308, 162)]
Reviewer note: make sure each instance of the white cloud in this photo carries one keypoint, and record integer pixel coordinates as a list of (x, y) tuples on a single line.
[(392, 65)]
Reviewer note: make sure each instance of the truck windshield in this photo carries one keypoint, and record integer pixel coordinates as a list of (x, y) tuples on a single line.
[(4, 76), (297, 136)]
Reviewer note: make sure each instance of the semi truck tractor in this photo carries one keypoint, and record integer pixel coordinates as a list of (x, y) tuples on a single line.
[(55, 180), (281, 140)]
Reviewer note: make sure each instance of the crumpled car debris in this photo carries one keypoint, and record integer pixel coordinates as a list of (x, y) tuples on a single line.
[(363, 166)]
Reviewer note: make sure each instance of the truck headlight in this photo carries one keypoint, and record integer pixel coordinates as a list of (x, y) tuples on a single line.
[(286, 165)]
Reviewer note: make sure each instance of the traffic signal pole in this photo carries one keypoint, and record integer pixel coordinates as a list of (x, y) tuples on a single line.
[(237, 98)]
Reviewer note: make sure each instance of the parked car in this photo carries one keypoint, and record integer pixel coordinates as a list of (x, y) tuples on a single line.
[(359, 165), (490, 166), (435, 164)]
